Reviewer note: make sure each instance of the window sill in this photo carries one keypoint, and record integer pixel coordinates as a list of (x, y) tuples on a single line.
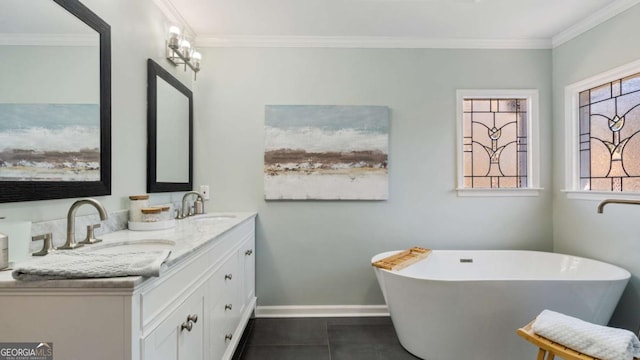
[(600, 195), (498, 192)]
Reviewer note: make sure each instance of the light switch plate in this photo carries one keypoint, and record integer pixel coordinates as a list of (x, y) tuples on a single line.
[(204, 190)]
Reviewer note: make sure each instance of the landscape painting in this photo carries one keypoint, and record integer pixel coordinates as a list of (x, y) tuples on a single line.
[(49, 142), (325, 152)]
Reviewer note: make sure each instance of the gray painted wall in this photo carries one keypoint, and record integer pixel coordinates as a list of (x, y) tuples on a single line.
[(615, 235), (318, 253)]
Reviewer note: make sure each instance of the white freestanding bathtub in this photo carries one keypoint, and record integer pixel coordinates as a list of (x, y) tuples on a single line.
[(457, 305)]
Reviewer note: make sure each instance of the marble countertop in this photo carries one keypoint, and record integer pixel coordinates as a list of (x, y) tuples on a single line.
[(189, 235)]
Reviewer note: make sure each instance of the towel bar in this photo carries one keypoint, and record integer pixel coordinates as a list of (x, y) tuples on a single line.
[(550, 348)]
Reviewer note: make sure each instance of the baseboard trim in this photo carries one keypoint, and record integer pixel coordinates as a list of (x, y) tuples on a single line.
[(321, 311)]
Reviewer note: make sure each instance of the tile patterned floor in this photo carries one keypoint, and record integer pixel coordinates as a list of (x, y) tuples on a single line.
[(321, 339)]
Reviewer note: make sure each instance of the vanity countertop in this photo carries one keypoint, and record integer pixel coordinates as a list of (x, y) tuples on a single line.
[(190, 235)]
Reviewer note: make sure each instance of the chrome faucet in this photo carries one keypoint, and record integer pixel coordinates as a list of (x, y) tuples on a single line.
[(185, 208), (616, 201), (71, 221)]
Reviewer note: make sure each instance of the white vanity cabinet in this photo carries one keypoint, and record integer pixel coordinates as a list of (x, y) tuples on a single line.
[(197, 309)]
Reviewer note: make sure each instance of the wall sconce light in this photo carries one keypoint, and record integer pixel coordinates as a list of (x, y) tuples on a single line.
[(180, 52)]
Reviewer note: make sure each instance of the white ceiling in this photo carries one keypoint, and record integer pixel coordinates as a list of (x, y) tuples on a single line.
[(507, 21)]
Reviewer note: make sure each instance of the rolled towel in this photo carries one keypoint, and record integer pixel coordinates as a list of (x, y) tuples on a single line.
[(601, 342), (82, 265)]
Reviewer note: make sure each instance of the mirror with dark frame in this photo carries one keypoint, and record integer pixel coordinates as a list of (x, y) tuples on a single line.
[(169, 131), (55, 101)]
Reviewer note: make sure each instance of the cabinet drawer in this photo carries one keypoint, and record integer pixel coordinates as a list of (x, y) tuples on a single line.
[(155, 301), (223, 284), (220, 336), (224, 312)]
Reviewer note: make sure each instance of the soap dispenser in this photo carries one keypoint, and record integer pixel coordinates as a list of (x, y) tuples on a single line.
[(198, 206)]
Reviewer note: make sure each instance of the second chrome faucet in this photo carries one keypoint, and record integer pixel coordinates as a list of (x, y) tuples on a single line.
[(198, 205)]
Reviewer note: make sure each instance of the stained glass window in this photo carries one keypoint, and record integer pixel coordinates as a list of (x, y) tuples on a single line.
[(495, 143), (609, 123)]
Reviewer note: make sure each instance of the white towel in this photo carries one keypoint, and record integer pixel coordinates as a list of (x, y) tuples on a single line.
[(78, 265), (601, 342)]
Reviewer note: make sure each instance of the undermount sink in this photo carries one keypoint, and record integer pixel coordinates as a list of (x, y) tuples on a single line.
[(131, 245), (213, 217)]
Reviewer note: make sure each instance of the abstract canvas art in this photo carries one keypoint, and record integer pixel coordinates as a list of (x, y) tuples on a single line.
[(325, 152), (49, 142)]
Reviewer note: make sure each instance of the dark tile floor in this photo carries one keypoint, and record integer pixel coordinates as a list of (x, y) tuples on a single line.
[(322, 339)]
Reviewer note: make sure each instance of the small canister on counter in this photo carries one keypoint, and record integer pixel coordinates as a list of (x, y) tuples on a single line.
[(4, 251), (151, 214), (136, 204), (166, 212)]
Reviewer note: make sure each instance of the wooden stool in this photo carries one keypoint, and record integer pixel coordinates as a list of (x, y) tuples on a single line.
[(550, 348)]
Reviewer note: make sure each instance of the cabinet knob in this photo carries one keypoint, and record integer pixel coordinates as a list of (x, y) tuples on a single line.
[(186, 325), (193, 318), (228, 337), (228, 276), (248, 252), (228, 307)]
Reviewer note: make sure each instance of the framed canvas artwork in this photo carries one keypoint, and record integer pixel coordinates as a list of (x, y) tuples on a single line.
[(326, 152)]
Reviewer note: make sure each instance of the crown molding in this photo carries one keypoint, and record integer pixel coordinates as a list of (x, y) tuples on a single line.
[(48, 40), (606, 13), (369, 42)]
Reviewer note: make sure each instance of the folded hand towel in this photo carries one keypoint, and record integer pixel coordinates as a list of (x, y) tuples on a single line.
[(602, 342), (78, 265)]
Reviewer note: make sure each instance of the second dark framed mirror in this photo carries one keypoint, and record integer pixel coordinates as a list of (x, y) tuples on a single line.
[(169, 132)]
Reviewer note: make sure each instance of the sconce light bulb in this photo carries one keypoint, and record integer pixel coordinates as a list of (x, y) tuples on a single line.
[(174, 37), (174, 31), (185, 48), (195, 60)]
